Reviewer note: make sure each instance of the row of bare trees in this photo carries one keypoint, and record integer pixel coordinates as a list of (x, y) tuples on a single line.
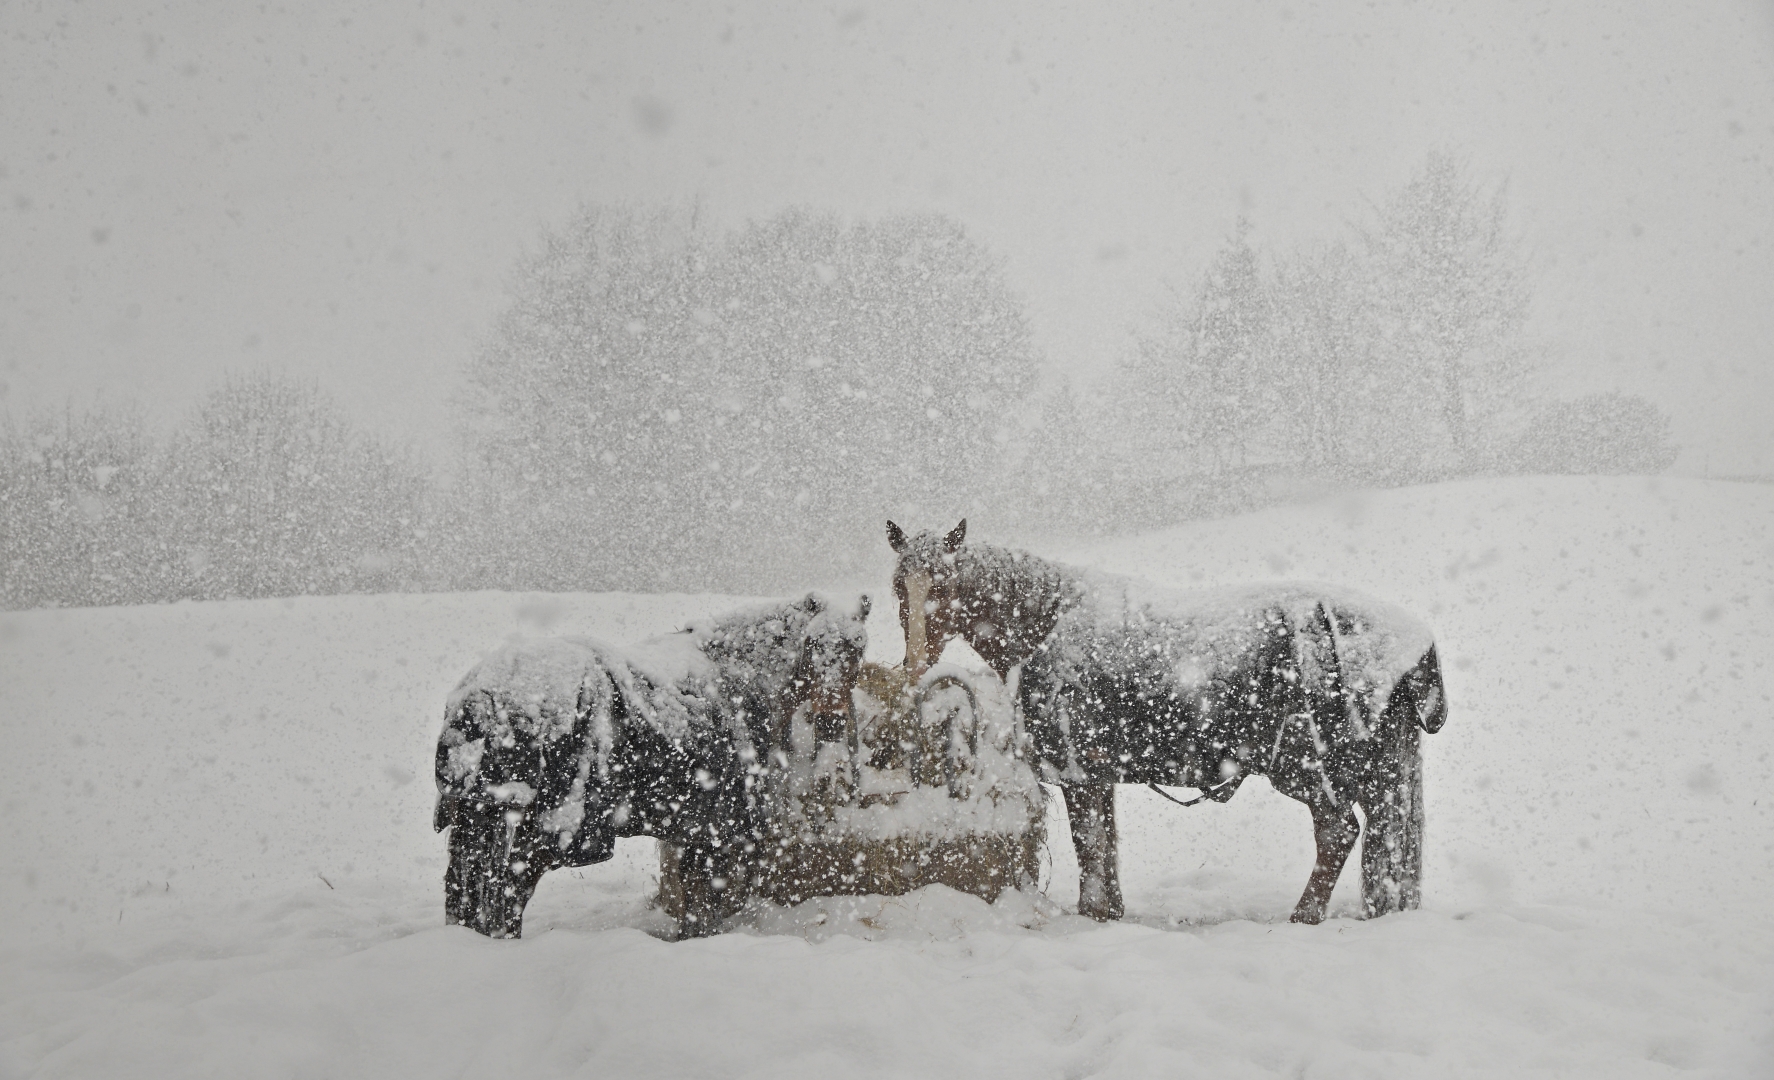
[(668, 406), (265, 490), (661, 407)]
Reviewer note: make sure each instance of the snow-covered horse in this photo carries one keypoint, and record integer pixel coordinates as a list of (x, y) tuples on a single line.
[(1322, 690), (553, 748)]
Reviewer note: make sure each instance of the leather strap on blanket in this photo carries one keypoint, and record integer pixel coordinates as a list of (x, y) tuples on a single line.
[(1205, 792)]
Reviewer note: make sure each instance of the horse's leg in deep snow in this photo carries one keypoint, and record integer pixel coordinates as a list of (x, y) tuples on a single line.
[(712, 878), (1335, 831), (1091, 810), (700, 871)]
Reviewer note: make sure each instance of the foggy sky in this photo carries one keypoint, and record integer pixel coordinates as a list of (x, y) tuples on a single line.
[(191, 188)]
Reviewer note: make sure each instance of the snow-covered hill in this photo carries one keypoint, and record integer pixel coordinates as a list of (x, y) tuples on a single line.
[(217, 856)]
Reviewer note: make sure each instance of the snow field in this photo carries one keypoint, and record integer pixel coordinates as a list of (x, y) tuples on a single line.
[(937, 984), (218, 861)]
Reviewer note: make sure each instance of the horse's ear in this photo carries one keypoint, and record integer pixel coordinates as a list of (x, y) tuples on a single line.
[(895, 538), (952, 542)]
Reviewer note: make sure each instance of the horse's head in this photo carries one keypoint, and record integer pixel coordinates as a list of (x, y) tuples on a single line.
[(830, 656), (926, 583)]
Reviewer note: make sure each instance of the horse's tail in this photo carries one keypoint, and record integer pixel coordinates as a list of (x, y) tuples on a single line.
[(1392, 843), (1392, 797)]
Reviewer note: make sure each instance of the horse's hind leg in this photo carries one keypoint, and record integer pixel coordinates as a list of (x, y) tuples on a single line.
[(713, 887), (1091, 811), (1335, 830), (1392, 849)]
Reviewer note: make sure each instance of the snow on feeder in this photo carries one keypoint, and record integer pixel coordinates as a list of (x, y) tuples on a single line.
[(928, 785)]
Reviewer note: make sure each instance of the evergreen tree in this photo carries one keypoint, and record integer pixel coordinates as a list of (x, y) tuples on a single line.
[(1202, 380)]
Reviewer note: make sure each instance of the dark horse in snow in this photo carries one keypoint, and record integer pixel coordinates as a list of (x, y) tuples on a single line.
[(1322, 690), (553, 748)]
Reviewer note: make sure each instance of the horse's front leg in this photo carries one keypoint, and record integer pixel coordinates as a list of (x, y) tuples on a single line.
[(1335, 831), (1091, 810), (489, 881)]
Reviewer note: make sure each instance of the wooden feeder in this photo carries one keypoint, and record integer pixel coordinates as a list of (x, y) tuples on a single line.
[(932, 787)]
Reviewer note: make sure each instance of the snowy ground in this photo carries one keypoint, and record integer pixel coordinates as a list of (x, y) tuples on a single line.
[(217, 857)]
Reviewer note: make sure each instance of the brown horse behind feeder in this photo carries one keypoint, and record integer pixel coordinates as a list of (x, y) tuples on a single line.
[(1322, 690)]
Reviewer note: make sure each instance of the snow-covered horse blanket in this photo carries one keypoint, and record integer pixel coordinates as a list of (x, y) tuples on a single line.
[(553, 748), (1321, 689)]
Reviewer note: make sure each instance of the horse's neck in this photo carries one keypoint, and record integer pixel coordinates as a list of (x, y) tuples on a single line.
[(1020, 596)]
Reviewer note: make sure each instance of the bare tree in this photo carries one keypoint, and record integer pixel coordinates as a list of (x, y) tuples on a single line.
[(79, 501), (664, 405), (275, 493), (1323, 363), (1448, 289), (1596, 433)]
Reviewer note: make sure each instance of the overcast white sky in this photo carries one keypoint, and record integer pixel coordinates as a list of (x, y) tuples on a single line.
[(340, 190)]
